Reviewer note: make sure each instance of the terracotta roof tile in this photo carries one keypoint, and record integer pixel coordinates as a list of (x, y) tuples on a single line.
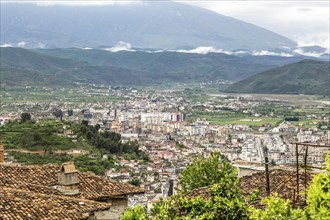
[(282, 182), (35, 178), (20, 204)]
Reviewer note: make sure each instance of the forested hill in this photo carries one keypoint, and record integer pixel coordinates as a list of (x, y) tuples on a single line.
[(208, 66), (304, 77), (26, 67)]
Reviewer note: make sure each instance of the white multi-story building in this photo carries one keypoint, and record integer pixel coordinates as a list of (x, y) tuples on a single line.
[(159, 118)]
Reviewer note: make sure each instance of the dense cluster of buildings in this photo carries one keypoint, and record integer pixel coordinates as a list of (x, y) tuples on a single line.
[(156, 120)]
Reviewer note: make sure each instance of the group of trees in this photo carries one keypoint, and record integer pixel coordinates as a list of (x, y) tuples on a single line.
[(223, 199), (47, 136), (109, 141), (29, 134), (25, 117), (97, 165), (35, 158), (58, 113)]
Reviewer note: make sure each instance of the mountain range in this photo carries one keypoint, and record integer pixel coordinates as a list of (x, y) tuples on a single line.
[(63, 67), (204, 67), (66, 67), (145, 24), (151, 42)]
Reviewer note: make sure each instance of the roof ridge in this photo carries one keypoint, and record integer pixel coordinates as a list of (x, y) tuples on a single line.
[(55, 196)]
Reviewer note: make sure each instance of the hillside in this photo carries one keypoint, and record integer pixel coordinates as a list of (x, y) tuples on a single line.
[(63, 67), (46, 141), (145, 24), (204, 67), (304, 77), (25, 67)]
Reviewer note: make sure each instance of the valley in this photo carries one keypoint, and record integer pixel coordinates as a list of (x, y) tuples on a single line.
[(139, 110)]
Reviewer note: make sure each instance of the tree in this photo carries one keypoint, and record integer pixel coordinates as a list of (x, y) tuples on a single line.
[(206, 171), (276, 209), (318, 194), (222, 201), (135, 182), (25, 117), (97, 127), (70, 112), (58, 113), (84, 122), (138, 213)]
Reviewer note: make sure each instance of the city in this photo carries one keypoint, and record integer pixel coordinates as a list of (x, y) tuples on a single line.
[(167, 127), (169, 109)]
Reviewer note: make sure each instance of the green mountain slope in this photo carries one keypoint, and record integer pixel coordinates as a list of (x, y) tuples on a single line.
[(26, 67), (64, 67), (180, 66), (304, 77)]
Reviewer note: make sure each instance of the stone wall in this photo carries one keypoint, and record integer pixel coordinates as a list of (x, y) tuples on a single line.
[(117, 209)]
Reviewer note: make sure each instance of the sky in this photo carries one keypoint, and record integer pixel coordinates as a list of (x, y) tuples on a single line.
[(306, 22)]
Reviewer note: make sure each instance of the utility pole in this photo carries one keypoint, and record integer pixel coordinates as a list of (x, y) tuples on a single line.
[(297, 180), (267, 171), (305, 164)]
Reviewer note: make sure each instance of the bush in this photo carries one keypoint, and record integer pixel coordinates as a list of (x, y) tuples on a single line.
[(318, 194), (207, 171), (276, 209)]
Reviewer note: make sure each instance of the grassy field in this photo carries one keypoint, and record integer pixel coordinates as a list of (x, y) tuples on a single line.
[(251, 121), (223, 118), (312, 110), (18, 97), (293, 99), (307, 123)]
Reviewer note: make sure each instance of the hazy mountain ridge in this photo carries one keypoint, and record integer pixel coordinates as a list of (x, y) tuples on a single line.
[(166, 25), (203, 67), (236, 67), (66, 66), (26, 67), (304, 77)]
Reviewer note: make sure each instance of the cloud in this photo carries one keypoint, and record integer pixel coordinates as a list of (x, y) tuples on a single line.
[(40, 45), (21, 44), (205, 50), (120, 46), (270, 53), (6, 45), (320, 39), (309, 54)]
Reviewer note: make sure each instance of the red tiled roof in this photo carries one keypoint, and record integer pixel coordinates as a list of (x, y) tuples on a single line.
[(20, 204), (35, 178), (282, 182)]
